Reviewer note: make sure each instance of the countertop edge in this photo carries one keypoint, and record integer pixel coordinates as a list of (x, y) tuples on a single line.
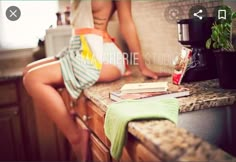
[(183, 149)]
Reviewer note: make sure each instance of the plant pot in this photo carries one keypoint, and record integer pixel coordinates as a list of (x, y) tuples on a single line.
[(225, 63)]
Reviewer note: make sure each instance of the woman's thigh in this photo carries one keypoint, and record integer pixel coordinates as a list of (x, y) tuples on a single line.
[(48, 73), (38, 63)]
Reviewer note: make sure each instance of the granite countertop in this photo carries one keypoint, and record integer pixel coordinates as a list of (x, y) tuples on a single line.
[(12, 63), (163, 137)]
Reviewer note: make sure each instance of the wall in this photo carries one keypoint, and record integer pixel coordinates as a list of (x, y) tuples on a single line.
[(62, 5), (231, 3), (158, 36)]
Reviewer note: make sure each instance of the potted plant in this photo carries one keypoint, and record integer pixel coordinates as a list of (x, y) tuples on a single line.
[(224, 50)]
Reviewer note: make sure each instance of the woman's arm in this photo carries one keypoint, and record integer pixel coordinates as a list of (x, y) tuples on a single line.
[(129, 33)]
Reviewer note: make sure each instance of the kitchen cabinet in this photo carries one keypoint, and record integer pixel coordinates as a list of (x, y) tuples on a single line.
[(90, 115), (26, 133), (18, 140), (11, 139)]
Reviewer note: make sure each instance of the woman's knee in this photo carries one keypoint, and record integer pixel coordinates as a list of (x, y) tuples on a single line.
[(48, 74), (26, 69), (31, 81), (28, 80)]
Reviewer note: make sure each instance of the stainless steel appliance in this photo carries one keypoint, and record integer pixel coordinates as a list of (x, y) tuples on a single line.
[(193, 34)]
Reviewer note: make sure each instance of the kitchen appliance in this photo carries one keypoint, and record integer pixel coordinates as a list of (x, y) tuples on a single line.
[(193, 34)]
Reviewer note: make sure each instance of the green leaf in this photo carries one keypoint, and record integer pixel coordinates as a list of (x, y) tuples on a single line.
[(221, 28), (221, 32), (208, 43), (214, 35), (233, 15), (227, 25), (215, 45)]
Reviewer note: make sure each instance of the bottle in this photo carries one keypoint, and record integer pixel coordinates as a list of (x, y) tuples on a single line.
[(67, 15), (59, 20)]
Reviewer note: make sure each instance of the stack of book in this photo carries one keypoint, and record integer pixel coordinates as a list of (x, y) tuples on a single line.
[(154, 90)]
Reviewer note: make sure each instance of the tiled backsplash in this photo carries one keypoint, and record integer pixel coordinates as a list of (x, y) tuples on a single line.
[(158, 36)]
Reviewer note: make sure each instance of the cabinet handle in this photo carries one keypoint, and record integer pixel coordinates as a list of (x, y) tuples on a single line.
[(86, 118)]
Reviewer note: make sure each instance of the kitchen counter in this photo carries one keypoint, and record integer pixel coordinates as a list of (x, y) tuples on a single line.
[(163, 137), (12, 62), (10, 74)]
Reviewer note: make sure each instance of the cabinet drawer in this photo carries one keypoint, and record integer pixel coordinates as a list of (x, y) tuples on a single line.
[(82, 155), (136, 151), (81, 108), (8, 94), (98, 151), (66, 98), (74, 106), (91, 115), (95, 121)]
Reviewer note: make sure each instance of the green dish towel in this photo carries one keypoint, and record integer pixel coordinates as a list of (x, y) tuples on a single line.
[(120, 113)]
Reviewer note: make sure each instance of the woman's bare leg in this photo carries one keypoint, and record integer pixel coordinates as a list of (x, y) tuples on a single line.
[(38, 63), (40, 83)]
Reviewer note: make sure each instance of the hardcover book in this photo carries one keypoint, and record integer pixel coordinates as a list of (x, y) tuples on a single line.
[(175, 91), (144, 87)]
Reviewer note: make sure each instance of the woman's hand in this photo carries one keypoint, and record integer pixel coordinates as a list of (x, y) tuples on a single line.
[(130, 35), (154, 75)]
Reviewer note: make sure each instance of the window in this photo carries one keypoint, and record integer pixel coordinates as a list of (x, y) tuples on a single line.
[(36, 17)]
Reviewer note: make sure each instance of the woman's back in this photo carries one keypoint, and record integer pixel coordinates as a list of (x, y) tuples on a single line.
[(102, 12), (93, 14)]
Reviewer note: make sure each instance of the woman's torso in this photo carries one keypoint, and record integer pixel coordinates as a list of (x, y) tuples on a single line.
[(101, 13)]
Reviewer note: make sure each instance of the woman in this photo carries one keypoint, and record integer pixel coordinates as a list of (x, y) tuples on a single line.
[(41, 78)]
